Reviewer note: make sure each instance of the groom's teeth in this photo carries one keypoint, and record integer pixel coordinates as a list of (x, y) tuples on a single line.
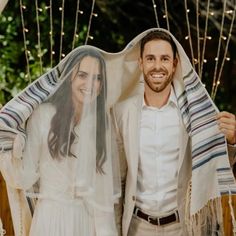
[(159, 75)]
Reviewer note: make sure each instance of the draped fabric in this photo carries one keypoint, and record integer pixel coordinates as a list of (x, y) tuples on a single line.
[(69, 172)]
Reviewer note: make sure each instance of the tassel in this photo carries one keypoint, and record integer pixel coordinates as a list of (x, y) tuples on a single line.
[(208, 221), (187, 207), (2, 231), (232, 215)]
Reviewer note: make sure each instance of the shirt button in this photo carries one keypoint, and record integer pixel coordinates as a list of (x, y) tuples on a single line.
[(133, 198)]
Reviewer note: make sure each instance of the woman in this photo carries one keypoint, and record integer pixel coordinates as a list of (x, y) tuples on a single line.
[(58, 150)]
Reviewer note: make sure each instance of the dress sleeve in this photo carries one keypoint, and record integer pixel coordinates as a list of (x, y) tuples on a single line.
[(19, 165), (105, 223)]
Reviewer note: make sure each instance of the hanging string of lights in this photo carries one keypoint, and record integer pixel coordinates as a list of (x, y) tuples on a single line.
[(51, 32), (89, 24), (189, 37), (199, 61), (76, 36), (218, 50), (62, 9), (225, 58), (203, 60), (166, 15), (155, 12), (24, 31), (198, 36), (37, 10)]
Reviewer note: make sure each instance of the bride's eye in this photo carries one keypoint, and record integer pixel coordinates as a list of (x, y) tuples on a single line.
[(82, 75)]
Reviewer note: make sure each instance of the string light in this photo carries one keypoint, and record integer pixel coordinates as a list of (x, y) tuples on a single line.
[(51, 33), (186, 37), (214, 88), (166, 14), (223, 37), (155, 12), (188, 10), (203, 60), (189, 33), (62, 28), (89, 24), (95, 14), (212, 13), (24, 30), (91, 37), (198, 37), (38, 34), (75, 36), (229, 11), (225, 52), (209, 37)]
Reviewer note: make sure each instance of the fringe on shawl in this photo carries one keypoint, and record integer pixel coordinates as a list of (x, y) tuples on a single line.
[(2, 231), (206, 222), (232, 215)]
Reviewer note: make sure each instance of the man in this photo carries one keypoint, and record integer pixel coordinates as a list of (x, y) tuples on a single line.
[(172, 152)]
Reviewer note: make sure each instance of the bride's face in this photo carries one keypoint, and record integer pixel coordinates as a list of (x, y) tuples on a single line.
[(86, 81)]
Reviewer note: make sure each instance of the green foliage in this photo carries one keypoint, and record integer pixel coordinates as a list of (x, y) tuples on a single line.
[(15, 72)]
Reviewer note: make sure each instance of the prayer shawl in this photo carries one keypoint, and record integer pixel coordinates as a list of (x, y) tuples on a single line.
[(211, 173)]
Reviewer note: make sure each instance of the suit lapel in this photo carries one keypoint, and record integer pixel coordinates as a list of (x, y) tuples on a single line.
[(134, 134)]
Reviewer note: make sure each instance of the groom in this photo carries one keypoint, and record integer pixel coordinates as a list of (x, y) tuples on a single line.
[(172, 151)]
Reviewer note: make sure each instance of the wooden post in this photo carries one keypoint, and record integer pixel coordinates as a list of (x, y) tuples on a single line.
[(228, 228), (5, 213)]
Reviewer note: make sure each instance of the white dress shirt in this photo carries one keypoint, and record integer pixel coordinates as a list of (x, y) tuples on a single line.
[(158, 158)]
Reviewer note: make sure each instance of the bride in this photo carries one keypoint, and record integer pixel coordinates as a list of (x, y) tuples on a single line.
[(57, 151)]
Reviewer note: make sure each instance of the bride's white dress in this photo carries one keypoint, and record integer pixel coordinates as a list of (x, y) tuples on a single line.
[(56, 213), (59, 211)]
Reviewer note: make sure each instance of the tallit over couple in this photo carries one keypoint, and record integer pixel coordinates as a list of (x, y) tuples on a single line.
[(126, 143)]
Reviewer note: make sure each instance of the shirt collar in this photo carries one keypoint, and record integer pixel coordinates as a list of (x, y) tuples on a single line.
[(171, 101)]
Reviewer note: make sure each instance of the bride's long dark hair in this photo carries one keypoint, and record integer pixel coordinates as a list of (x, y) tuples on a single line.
[(61, 130)]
